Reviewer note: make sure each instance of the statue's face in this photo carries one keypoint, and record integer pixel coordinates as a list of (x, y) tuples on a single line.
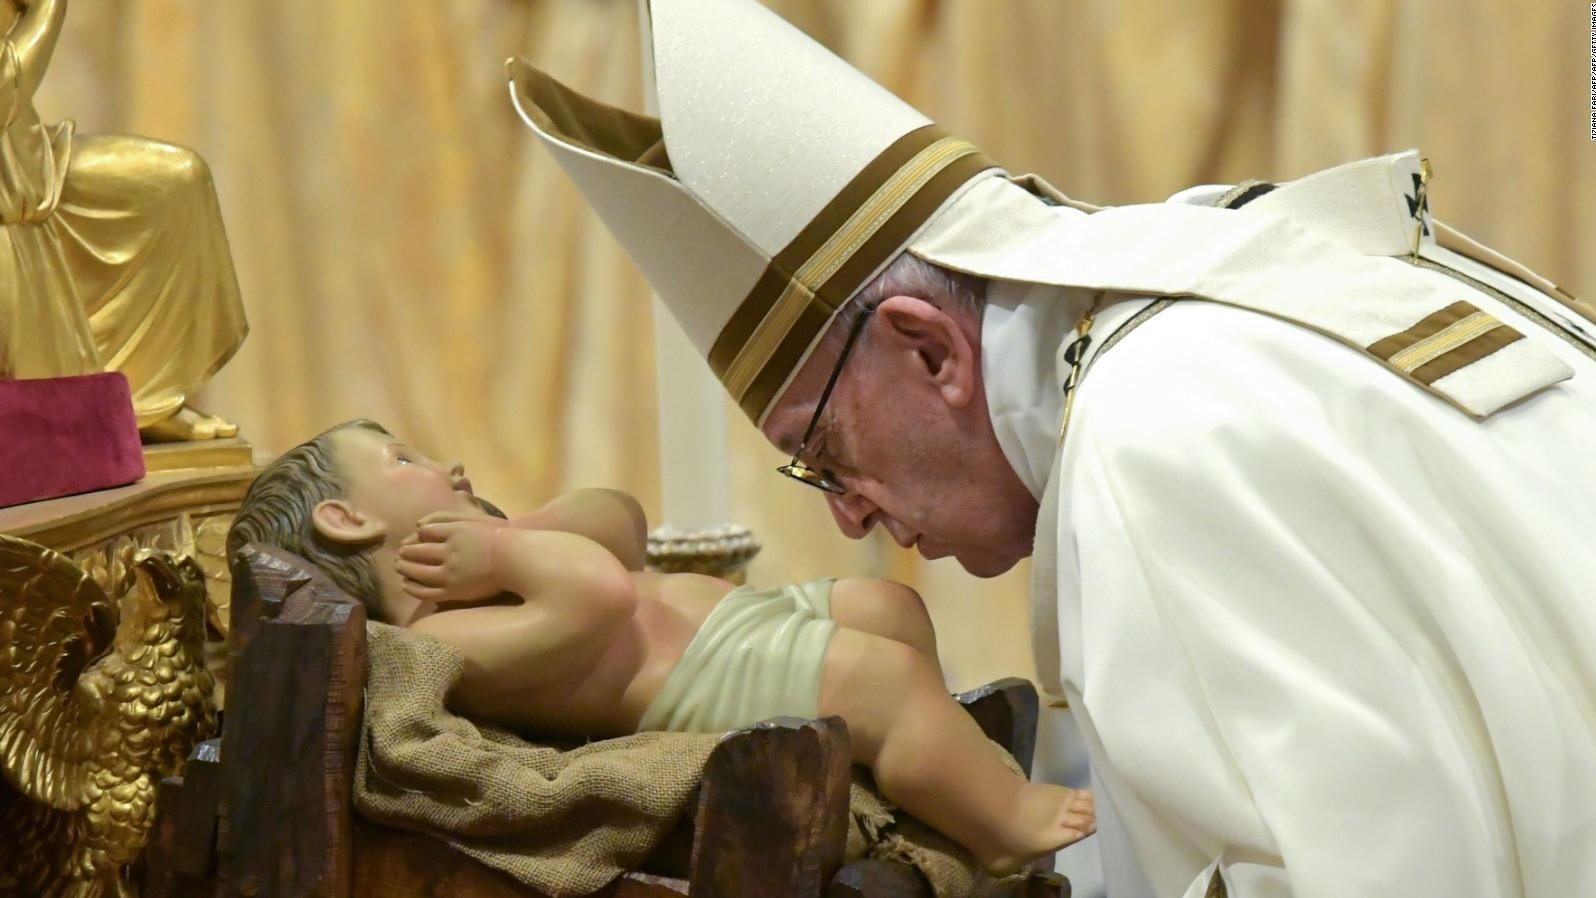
[(396, 484)]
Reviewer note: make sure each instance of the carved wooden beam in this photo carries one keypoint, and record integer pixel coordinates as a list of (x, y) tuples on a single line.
[(286, 815), (1006, 710), (773, 811)]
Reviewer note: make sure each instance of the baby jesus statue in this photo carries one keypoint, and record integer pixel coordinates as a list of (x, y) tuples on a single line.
[(563, 632)]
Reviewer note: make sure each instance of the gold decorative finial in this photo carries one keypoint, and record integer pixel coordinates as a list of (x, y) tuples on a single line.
[(718, 552), (96, 711), (1421, 203)]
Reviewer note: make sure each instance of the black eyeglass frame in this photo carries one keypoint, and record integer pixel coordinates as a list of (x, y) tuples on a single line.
[(823, 479)]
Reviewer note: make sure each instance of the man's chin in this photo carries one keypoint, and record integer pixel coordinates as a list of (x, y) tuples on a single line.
[(985, 565), (983, 561)]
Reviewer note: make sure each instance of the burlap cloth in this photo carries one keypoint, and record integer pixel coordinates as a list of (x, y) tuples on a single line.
[(565, 821)]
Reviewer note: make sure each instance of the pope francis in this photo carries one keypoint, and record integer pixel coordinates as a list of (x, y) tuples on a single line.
[(1307, 475)]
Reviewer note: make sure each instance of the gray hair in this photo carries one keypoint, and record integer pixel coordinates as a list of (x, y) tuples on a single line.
[(951, 291), (277, 512)]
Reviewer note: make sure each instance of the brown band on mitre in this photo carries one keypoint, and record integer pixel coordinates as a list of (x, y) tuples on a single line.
[(587, 123), (882, 248), (861, 229), (1444, 341)]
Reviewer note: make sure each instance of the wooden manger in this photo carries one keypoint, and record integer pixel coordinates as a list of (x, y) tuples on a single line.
[(265, 811)]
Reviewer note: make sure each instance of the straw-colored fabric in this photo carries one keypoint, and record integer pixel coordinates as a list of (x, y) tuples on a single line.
[(566, 822)]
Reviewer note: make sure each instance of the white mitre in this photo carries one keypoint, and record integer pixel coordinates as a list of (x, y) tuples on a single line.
[(778, 180)]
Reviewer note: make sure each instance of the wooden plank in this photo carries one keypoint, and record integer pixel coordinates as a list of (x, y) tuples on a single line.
[(641, 885), (773, 811), (673, 856), (1006, 710), (263, 579), (179, 861), (194, 836), (1042, 885), (391, 863), (870, 878), (160, 879), (289, 759)]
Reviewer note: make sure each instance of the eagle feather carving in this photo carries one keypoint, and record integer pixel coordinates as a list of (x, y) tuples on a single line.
[(92, 714)]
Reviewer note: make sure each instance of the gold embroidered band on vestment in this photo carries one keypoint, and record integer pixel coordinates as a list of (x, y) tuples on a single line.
[(1444, 341)]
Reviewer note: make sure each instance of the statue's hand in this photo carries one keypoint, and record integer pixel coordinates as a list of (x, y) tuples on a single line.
[(450, 561), (33, 37), (449, 517)]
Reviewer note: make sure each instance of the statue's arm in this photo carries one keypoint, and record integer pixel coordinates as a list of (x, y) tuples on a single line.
[(33, 40), (576, 598), (610, 518)]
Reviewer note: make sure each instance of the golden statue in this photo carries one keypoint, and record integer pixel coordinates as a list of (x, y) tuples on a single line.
[(115, 259), (91, 720)]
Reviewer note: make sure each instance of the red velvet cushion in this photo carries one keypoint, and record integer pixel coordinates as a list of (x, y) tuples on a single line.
[(63, 435)]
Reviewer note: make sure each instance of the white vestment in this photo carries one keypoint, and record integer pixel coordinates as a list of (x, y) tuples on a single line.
[(1320, 629)]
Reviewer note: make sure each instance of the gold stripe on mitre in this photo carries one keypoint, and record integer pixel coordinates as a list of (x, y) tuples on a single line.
[(860, 230), (1444, 341)]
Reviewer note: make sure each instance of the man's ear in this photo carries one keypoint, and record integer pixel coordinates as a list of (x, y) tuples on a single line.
[(940, 345), (339, 521)]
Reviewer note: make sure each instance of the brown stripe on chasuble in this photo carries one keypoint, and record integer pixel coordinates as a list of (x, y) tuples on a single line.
[(1443, 342), (1466, 354), (857, 232)]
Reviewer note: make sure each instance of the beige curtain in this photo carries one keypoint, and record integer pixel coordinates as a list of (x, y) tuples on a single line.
[(408, 253)]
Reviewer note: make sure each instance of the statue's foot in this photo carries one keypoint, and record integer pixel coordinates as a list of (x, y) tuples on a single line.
[(188, 423)]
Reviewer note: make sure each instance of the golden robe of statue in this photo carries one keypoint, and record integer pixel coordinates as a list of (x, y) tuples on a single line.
[(114, 257)]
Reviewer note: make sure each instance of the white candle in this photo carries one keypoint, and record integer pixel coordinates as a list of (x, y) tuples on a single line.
[(694, 471)]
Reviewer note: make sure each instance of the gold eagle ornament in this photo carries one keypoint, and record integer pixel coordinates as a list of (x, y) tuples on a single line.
[(94, 712)]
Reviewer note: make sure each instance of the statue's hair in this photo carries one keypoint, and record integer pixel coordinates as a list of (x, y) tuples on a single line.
[(277, 512)]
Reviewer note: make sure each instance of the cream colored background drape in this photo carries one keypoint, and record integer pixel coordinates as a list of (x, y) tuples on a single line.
[(407, 252)]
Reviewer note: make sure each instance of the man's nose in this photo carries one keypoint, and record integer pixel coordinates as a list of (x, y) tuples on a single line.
[(854, 514)]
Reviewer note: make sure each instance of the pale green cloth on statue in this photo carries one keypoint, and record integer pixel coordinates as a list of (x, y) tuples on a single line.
[(757, 656)]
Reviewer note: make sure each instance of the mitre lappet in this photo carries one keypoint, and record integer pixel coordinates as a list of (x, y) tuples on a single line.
[(778, 180)]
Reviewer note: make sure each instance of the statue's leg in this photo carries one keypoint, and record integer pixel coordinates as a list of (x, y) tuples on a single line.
[(931, 758), (44, 331), (144, 239), (886, 609)]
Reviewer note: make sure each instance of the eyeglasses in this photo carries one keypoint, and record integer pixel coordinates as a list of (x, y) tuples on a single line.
[(822, 478)]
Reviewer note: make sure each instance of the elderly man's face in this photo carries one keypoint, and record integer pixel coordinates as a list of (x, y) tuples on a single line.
[(906, 432)]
